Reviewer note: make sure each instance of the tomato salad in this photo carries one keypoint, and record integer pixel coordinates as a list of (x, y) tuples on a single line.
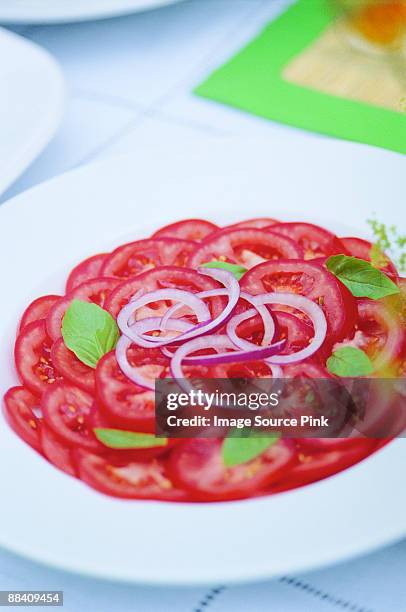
[(259, 298)]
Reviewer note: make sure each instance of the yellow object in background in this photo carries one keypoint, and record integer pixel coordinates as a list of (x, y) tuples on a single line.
[(379, 23)]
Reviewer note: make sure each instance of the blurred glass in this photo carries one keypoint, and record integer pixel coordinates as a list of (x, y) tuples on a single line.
[(374, 25)]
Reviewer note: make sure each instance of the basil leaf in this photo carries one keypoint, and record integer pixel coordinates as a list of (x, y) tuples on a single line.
[(235, 269), (89, 331), (118, 438), (349, 361), (237, 450), (360, 277)]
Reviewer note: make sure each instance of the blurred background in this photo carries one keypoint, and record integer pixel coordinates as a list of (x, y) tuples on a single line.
[(130, 79)]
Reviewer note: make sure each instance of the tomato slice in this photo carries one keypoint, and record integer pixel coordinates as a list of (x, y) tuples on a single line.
[(198, 466), (96, 290), (87, 270), (38, 309), (306, 369), (297, 332), (190, 229), (258, 222), (363, 249), (314, 466), (380, 333), (137, 257), (308, 279), (400, 303), (33, 360), (160, 278), (130, 480), (69, 366), (19, 406), (247, 247), (56, 452), (329, 444), (126, 404), (67, 411), (314, 240)]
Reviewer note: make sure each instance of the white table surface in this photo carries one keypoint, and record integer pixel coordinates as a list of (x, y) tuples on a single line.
[(130, 82)]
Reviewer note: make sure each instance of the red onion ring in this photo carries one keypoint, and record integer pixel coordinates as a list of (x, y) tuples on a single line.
[(268, 321), (124, 343), (299, 302), (217, 342), (211, 325), (187, 298), (127, 369)]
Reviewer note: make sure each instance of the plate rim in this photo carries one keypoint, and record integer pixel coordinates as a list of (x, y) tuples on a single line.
[(231, 575), (56, 104), (15, 14)]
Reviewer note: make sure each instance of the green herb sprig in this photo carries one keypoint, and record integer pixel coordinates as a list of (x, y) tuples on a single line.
[(388, 240)]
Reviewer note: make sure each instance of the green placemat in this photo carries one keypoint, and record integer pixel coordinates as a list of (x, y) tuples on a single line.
[(253, 81)]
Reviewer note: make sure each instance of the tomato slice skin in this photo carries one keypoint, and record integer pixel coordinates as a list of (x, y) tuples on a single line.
[(259, 223), (244, 246), (197, 466), (315, 240), (362, 249), (38, 309), (166, 276), (69, 366), (316, 465), (297, 332), (19, 403), (308, 279), (129, 480), (56, 452), (189, 229), (380, 333), (331, 444), (67, 412), (134, 258), (87, 270), (306, 369), (33, 360), (96, 290), (125, 404)]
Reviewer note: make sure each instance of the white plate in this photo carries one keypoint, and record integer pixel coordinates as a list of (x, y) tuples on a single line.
[(55, 519), (31, 103), (63, 11)]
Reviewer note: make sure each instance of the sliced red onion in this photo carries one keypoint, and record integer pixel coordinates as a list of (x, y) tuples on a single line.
[(246, 344), (232, 327), (212, 325), (268, 321), (124, 319), (261, 352), (122, 347), (312, 310), (143, 326), (233, 289), (220, 342)]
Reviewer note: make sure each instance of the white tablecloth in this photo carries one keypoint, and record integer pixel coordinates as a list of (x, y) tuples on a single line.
[(375, 583), (130, 82)]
